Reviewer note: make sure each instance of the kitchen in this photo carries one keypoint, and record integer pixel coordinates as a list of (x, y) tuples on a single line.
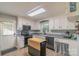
[(57, 23)]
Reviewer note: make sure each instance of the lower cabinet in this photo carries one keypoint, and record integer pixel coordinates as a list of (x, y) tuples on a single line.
[(62, 48), (50, 42)]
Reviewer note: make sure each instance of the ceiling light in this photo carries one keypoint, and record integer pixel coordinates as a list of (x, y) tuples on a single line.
[(36, 12)]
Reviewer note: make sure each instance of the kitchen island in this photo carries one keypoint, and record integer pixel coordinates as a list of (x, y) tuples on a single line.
[(37, 46)]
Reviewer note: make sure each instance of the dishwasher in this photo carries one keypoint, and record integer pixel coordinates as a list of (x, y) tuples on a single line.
[(50, 42)]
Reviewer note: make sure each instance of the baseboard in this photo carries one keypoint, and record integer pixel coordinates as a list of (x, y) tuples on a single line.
[(8, 50)]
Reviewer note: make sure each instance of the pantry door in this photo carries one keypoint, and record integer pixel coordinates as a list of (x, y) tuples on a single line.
[(7, 37)]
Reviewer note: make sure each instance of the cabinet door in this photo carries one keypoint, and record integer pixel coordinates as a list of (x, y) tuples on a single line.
[(71, 25), (62, 48), (63, 23), (50, 42), (52, 24), (57, 24)]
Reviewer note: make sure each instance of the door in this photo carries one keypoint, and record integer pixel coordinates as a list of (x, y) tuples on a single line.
[(7, 37), (62, 48)]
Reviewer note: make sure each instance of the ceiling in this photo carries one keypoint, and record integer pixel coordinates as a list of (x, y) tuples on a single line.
[(20, 9)]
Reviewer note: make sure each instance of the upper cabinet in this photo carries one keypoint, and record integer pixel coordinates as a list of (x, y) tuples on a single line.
[(54, 23), (61, 23), (71, 25), (57, 24)]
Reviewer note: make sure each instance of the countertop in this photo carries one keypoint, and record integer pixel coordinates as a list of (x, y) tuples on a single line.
[(38, 40), (53, 35), (35, 42), (49, 35)]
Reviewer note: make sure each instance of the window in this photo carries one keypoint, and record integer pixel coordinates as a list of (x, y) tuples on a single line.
[(44, 26), (72, 6), (7, 28)]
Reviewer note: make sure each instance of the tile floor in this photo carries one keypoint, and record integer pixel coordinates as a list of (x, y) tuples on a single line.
[(24, 52)]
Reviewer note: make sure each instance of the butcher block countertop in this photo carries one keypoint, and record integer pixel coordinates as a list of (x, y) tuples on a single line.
[(35, 42)]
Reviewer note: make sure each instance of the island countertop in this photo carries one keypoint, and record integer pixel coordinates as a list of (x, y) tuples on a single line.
[(38, 40)]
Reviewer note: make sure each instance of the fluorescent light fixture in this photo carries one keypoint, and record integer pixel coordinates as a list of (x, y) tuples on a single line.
[(36, 12)]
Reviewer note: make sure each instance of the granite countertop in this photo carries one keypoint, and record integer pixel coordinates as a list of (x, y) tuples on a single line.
[(50, 35), (53, 35)]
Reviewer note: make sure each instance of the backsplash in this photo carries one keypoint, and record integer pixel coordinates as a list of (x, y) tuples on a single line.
[(62, 31)]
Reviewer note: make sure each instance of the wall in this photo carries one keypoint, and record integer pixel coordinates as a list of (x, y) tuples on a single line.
[(35, 25)]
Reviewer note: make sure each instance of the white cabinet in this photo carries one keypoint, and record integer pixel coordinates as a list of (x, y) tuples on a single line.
[(71, 25), (65, 24), (51, 24), (72, 45), (54, 23), (57, 24), (61, 23), (20, 42), (62, 48)]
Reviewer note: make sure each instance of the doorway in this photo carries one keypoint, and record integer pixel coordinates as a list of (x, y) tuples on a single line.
[(7, 35)]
